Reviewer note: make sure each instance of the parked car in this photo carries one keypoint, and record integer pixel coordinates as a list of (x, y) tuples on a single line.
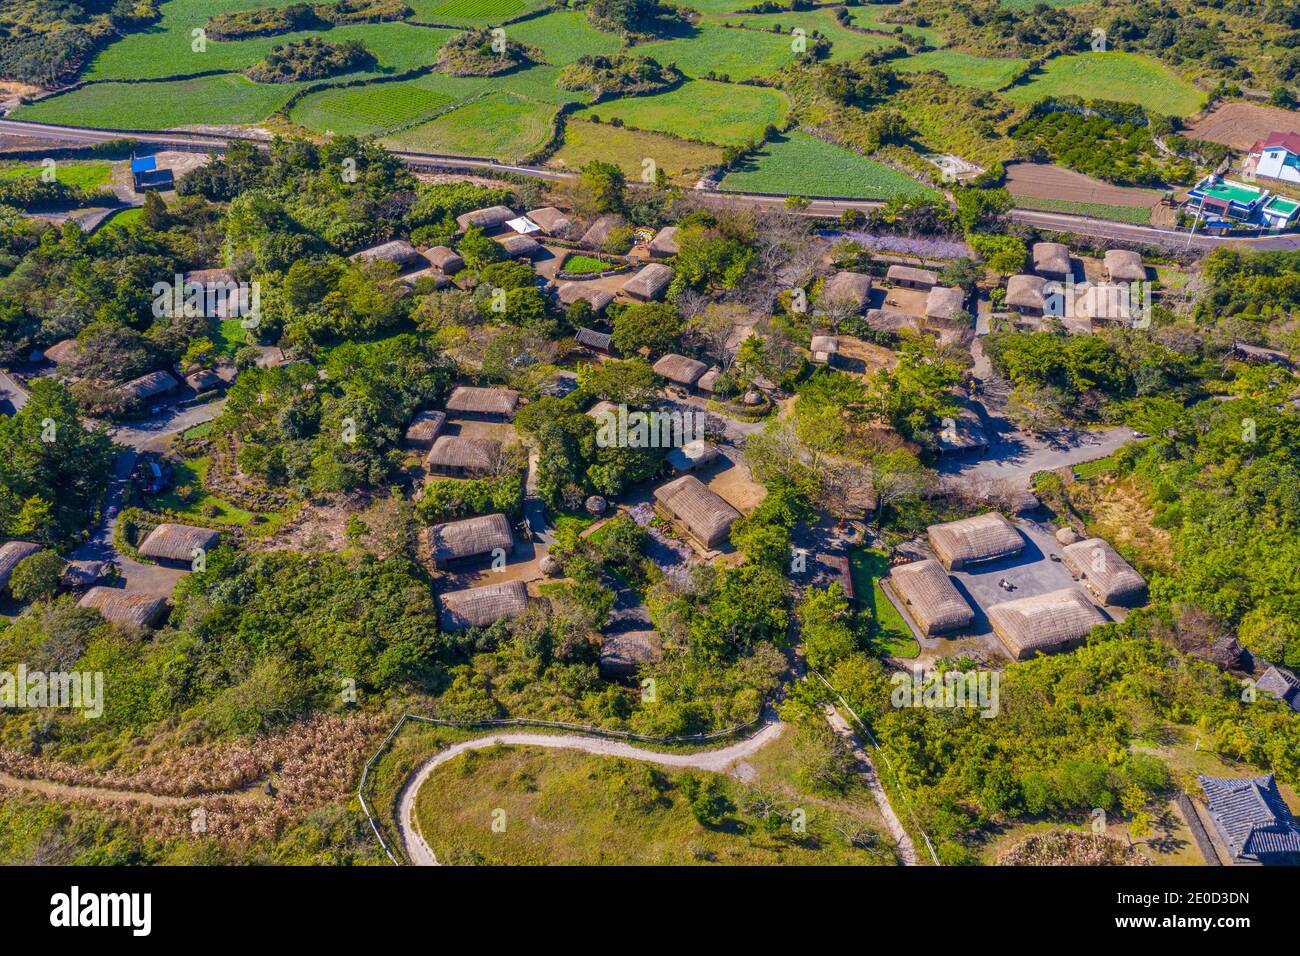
[(152, 475)]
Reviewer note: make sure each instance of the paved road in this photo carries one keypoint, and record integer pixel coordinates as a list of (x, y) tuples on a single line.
[(1016, 455), (12, 395), (716, 761), (1080, 225)]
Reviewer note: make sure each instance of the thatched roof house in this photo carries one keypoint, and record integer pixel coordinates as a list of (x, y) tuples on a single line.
[(492, 217), (177, 542), (909, 277), (1101, 570), (571, 292), (680, 369), (425, 428), (454, 457), (665, 242), (986, 537), (1051, 259), (1252, 819), (470, 538), (399, 252), (552, 220), (481, 606), (824, 348), (621, 654), (82, 574), (649, 283), (709, 380), (1044, 623), (598, 234), (963, 433), (933, 601), (64, 351), (1280, 684), (601, 342), (1124, 265), (123, 607), (11, 552), (944, 303), (851, 288), (150, 386), (204, 380), (691, 457), (445, 259), (1103, 302), (1025, 293), (699, 512), (521, 247), (468, 401), (602, 408)]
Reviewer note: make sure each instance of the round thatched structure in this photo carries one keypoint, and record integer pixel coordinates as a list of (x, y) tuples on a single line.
[(549, 566), (1067, 535), (597, 505)]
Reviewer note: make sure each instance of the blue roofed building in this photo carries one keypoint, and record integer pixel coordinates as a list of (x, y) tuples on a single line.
[(146, 174)]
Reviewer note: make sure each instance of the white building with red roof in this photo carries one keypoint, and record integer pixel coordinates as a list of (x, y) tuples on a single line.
[(1277, 157)]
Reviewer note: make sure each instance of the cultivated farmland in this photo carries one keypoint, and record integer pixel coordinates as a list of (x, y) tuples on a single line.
[(502, 126), (845, 44), (628, 149), (564, 37), (458, 13), (737, 54), (803, 165), (979, 72), (1242, 125), (700, 110), (1123, 77), (368, 110)]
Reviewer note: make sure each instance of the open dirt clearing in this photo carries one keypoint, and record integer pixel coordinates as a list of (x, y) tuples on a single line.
[(1242, 125), (1045, 181)]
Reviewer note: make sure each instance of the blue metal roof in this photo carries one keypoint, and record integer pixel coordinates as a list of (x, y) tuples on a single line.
[(143, 164)]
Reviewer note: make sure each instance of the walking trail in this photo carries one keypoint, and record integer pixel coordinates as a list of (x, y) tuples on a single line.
[(906, 850), (67, 791)]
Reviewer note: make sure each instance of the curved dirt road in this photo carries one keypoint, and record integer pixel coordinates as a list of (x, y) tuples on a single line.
[(717, 761)]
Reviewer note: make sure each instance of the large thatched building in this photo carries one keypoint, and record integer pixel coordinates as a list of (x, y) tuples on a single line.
[(910, 277), (700, 513), (521, 247), (944, 304), (680, 370), (481, 606), (1044, 623), (469, 538), (664, 242), (177, 543), (399, 252), (425, 428), (849, 289), (1124, 265), (571, 292), (1101, 570), (445, 259), (931, 598), (149, 386), (487, 404), (455, 457), (649, 283), (11, 552), (1025, 294), (124, 607), (987, 537), (1051, 260), (551, 221), (493, 217)]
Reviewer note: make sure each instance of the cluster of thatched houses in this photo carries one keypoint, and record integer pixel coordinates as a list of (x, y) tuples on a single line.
[(1090, 303)]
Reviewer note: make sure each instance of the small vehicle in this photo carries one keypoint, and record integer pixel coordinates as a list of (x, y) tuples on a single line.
[(1054, 557), (152, 475)]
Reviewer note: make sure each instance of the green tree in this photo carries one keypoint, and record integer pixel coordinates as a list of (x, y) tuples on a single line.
[(37, 576)]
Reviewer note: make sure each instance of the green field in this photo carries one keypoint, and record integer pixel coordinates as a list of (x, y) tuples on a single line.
[(628, 149), (1123, 77), (803, 165), (846, 45), (471, 12), (80, 175), (367, 110), (502, 126), (564, 36), (563, 807), (580, 263), (719, 113), (872, 17), (227, 98), (980, 72), (893, 636), (736, 54), (1136, 215)]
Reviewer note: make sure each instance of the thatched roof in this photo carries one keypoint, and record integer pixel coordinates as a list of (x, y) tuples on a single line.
[(965, 433), (621, 653), (203, 380), (444, 258), (600, 341), (571, 292), (1124, 265), (177, 542), (11, 552), (650, 282), (680, 369), (851, 287), (892, 320), (985, 537), (692, 457), (1055, 621), (1026, 292), (489, 218), (449, 452), (64, 351), (665, 242), (520, 246), (1104, 302), (470, 538), (471, 400), (80, 574), (215, 277), (944, 303), (912, 276), (930, 596), (425, 427), (552, 220), (398, 251), (709, 380), (1103, 572), (123, 607), (824, 344), (1051, 258), (147, 386), (598, 233), (478, 607), (704, 514)]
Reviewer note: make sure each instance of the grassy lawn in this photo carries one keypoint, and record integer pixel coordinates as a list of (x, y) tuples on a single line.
[(562, 807), (893, 638), (846, 45), (964, 69), (1135, 215), (564, 36), (192, 473), (628, 148), (735, 54), (803, 165), (581, 263), (720, 113), (1115, 75), (229, 336), (368, 110), (502, 126), (228, 98), (80, 175), (127, 217), (1098, 466)]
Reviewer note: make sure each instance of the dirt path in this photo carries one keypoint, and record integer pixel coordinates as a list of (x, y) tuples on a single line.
[(716, 761), (906, 851), (66, 791)]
